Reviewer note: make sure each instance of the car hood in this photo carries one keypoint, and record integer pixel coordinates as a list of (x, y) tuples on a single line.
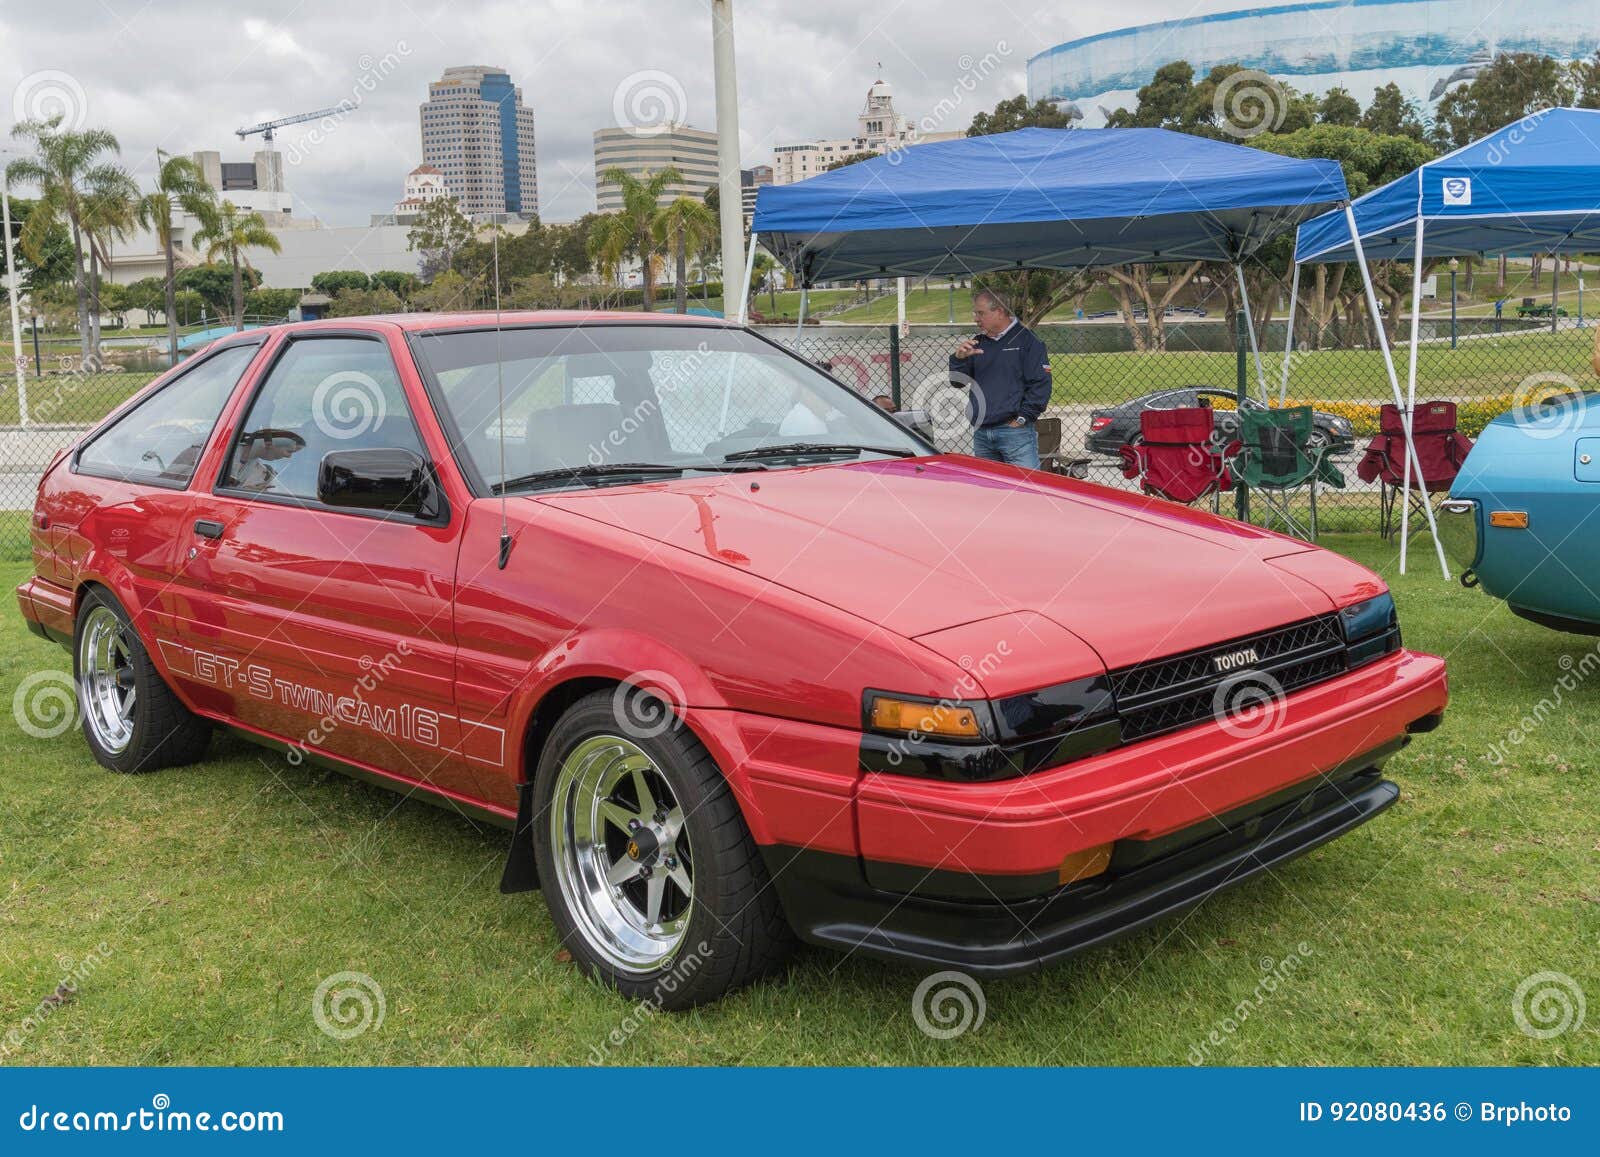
[(921, 545)]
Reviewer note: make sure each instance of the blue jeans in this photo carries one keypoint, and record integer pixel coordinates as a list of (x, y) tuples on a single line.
[(1018, 445)]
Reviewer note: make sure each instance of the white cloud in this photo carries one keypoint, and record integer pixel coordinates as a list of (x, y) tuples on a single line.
[(183, 74)]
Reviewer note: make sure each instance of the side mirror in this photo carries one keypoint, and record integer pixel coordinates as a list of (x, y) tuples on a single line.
[(385, 478)]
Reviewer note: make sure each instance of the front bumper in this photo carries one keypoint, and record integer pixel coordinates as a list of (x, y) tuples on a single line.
[(1457, 519), (827, 904)]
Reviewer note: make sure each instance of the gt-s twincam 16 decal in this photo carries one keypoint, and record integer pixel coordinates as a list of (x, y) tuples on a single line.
[(330, 710)]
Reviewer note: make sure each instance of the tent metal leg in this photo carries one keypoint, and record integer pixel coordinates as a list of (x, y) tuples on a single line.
[(1388, 365), (1288, 341), (1250, 327)]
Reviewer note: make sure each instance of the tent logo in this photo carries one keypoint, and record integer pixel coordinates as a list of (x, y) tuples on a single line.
[(1458, 190)]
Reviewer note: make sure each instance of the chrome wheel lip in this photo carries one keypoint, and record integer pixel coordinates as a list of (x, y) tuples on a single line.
[(604, 783), (106, 692)]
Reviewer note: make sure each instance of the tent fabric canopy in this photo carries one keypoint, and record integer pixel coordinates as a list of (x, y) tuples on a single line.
[(1042, 198), (1530, 187)]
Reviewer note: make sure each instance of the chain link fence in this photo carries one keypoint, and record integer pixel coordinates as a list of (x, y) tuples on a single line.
[(1101, 383)]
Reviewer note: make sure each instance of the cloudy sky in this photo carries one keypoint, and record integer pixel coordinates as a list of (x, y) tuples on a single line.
[(181, 75)]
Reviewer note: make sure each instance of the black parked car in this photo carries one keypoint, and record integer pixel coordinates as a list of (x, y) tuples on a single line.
[(1114, 427)]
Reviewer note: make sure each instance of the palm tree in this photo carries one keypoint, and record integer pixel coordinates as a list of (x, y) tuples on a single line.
[(179, 186), (226, 231), (633, 230), (69, 169), (689, 225), (108, 214)]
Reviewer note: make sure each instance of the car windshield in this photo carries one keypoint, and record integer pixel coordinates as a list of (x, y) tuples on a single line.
[(592, 403)]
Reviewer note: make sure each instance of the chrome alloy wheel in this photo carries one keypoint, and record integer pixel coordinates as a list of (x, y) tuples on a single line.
[(621, 853), (106, 692)]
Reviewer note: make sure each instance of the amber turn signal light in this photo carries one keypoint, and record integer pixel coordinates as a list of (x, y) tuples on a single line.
[(953, 720), (1082, 865), (1511, 519)]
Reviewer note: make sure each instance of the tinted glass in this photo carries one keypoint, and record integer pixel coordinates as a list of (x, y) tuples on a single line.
[(322, 394), (162, 438), (665, 394)]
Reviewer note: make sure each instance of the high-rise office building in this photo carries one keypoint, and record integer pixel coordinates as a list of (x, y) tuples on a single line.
[(479, 135), (692, 152)]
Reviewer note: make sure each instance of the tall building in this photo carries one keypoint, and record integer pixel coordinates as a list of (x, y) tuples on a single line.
[(693, 152), (479, 135), (750, 182), (879, 129), (1424, 46)]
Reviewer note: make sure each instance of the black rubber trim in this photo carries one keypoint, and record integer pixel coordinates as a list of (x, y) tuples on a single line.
[(828, 900), (984, 762), (1556, 622)]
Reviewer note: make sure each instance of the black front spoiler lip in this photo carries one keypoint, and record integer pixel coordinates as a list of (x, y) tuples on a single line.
[(995, 940)]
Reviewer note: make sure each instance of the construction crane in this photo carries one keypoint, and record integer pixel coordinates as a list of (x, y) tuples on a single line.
[(265, 127)]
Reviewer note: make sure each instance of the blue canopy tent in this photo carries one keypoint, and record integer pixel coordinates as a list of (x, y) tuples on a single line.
[(1051, 199), (1530, 187)]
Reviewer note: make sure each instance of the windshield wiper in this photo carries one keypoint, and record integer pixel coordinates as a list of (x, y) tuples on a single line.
[(802, 449), (613, 469)]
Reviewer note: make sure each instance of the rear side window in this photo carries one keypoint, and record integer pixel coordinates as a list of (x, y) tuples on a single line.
[(323, 394), (160, 440)]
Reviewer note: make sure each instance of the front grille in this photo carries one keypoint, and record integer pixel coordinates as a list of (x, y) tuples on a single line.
[(1179, 690)]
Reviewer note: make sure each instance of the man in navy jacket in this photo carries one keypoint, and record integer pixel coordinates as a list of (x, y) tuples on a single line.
[(1007, 371)]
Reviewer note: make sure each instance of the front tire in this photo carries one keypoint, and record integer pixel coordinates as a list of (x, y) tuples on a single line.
[(652, 879), (131, 719)]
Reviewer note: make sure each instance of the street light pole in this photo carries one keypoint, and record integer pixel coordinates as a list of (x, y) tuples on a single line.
[(731, 198)]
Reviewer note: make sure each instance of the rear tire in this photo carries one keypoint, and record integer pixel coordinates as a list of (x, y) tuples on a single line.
[(131, 719), (650, 874)]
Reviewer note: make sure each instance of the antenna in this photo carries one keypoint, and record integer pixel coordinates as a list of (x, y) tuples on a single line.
[(500, 407)]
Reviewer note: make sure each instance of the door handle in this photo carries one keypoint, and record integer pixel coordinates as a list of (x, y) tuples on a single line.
[(208, 528)]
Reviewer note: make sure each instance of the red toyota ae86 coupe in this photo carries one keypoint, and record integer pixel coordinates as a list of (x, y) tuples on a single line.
[(734, 655)]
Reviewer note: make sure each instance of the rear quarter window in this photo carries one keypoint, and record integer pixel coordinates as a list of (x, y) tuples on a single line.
[(160, 440)]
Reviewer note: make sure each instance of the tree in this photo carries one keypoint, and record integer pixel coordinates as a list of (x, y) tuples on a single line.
[(1338, 107), (109, 214), (1163, 103), (1017, 113), (1586, 82), (228, 232), (687, 226), (179, 186), (264, 302), (448, 291), (400, 283), (148, 294), (1390, 114), (1513, 85), (632, 230), (51, 261), (365, 302), (214, 284), (71, 170), (334, 281), (441, 229), (843, 162)]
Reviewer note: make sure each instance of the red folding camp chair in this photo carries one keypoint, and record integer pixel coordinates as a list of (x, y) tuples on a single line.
[(1178, 458), (1441, 449)]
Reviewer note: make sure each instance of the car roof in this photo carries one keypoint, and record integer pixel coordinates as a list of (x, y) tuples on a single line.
[(487, 319)]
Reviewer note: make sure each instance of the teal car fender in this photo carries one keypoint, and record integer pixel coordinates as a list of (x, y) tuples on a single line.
[(1523, 518)]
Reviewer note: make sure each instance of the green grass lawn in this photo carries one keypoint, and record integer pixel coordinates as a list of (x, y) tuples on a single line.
[(212, 901)]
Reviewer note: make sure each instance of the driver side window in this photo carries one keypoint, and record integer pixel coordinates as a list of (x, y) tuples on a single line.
[(324, 393)]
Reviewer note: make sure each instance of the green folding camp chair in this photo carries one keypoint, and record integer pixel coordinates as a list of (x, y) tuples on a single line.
[(1277, 460)]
